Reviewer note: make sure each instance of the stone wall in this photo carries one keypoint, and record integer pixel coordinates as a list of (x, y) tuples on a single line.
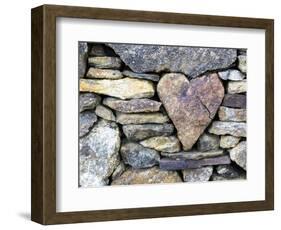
[(161, 114)]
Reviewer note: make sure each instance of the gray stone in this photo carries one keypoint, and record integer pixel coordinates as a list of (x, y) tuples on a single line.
[(140, 118), (208, 142), (147, 76), (99, 154), (138, 156), (118, 171), (125, 88), (103, 140), (237, 87), (167, 144), (105, 62), (217, 177), (190, 105), (191, 61), (147, 176), (197, 175), (133, 105), (194, 154), (231, 74), (228, 171), (231, 114), (105, 113), (180, 164), (97, 50), (242, 63), (234, 100), (88, 101), (239, 154), (87, 120), (227, 141), (89, 174), (241, 51), (82, 60), (237, 129), (140, 132), (104, 73)]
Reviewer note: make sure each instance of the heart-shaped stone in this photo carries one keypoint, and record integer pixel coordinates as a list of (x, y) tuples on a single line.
[(191, 105)]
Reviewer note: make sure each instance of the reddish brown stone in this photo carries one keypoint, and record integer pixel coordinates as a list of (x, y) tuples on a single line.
[(190, 105)]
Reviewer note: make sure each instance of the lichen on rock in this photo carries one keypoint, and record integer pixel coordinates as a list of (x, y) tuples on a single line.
[(125, 88), (99, 154), (191, 61), (147, 176)]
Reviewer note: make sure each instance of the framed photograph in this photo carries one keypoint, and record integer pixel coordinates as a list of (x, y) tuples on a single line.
[(139, 114)]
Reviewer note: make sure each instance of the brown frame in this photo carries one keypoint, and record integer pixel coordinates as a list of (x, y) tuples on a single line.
[(43, 160)]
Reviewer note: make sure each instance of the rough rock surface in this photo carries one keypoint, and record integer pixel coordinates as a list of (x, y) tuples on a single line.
[(140, 132), (217, 177), (208, 142), (133, 105), (147, 176), (191, 61), (89, 176), (231, 114), (104, 73), (190, 105), (88, 101), (197, 175), (105, 113), (239, 154), (231, 74), (99, 154), (138, 156), (140, 118), (118, 171), (147, 76), (167, 144), (82, 58), (242, 63), (236, 87), (235, 101), (125, 88), (227, 141), (194, 154), (228, 171), (87, 120), (237, 129), (105, 62)]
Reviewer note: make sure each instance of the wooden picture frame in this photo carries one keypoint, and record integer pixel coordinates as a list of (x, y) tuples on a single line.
[(43, 208)]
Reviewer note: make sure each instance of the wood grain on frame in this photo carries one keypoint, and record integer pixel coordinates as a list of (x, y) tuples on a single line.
[(43, 160)]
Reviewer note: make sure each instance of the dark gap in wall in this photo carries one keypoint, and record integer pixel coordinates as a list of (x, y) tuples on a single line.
[(180, 174), (110, 179), (101, 49), (238, 168)]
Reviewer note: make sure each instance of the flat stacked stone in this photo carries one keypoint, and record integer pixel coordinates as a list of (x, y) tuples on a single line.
[(125, 88), (147, 176), (133, 105)]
